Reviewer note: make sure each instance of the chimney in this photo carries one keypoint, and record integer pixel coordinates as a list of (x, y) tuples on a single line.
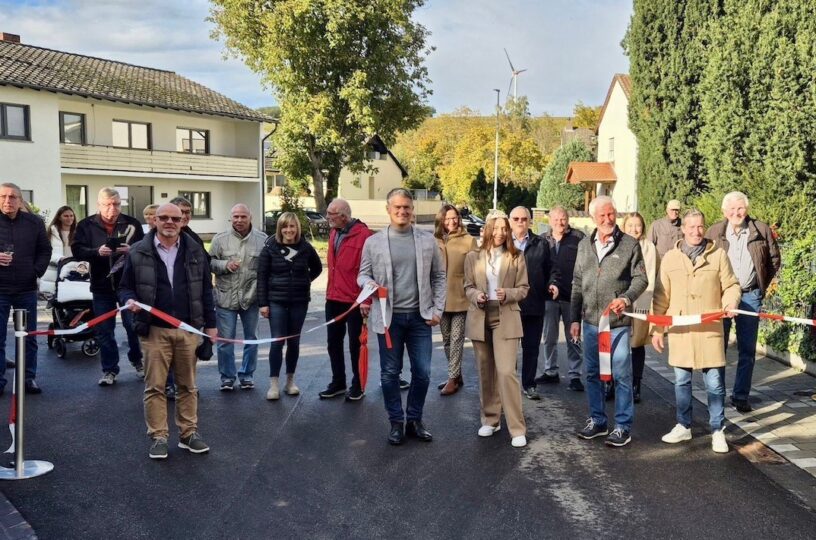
[(9, 38)]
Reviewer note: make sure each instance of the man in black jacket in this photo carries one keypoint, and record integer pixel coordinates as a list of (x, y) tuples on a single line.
[(24, 255), (563, 241), (542, 283), (168, 270), (104, 240)]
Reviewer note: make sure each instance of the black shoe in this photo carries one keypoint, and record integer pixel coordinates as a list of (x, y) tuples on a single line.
[(609, 391), (2, 390), (414, 428), (31, 387), (618, 437), (397, 434), (158, 448), (404, 385), (531, 393), (576, 385), (11, 364), (548, 379), (741, 405), (592, 430), (636, 391), (354, 394), (333, 390), (441, 385)]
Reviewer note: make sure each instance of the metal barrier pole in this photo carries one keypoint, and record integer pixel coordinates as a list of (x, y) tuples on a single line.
[(22, 469)]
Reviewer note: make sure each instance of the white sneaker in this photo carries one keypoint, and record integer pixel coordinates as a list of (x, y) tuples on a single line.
[(274, 390), (519, 441), (107, 379), (291, 388), (718, 442), (679, 433), (487, 431)]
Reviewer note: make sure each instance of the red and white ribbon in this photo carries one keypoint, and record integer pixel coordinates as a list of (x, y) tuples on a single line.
[(605, 347), (382, 294)]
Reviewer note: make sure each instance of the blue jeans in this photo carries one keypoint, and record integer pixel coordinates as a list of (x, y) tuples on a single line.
[(285, 320), (408, 331), (105, 334), (227, 320), (28, 302), (715, 387), (747, 330), (621, 374)]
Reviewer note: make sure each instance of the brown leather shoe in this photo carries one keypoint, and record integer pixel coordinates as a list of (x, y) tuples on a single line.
[(451, 387)]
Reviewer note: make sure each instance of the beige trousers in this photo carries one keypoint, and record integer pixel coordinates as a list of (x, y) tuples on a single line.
[(499, 385), (163, 349)]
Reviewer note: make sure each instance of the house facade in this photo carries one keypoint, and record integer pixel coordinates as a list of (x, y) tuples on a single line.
[(72, 124)]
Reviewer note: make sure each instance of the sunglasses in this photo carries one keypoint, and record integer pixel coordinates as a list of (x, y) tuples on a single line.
[(174, 219), (519, 219)]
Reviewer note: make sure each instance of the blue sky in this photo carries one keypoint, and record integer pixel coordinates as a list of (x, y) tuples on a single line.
[(571, 48)]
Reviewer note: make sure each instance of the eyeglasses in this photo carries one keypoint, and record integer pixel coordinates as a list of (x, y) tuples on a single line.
[(519, 218), (186, 212), (174, 219)]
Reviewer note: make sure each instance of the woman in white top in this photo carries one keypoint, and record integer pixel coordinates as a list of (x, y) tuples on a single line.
[(61, 232)]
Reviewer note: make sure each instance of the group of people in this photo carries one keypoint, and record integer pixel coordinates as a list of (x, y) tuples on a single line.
[(509, 292)]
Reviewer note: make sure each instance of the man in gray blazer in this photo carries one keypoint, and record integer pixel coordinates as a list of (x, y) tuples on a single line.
[(406, 261)]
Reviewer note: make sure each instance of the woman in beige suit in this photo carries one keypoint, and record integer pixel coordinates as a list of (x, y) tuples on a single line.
[(455, 243), (495, 283)]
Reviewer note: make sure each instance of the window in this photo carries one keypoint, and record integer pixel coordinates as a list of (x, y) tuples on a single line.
[(201, 203), (14, 122), (611, 153), (72, 128), (28, 195), (131, 135), (193, 141), (77, 198)]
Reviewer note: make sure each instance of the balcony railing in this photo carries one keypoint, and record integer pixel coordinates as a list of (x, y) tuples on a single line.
[(108, 158)]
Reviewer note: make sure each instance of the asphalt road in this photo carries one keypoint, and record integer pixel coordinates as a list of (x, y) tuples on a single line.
[(302, 467)]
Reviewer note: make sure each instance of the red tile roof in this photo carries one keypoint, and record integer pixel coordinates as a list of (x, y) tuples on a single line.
[(626, 85), (585, 171)]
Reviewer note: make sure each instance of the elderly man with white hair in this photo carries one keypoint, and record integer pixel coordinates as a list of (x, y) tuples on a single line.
[(754, 255), (609, 273)]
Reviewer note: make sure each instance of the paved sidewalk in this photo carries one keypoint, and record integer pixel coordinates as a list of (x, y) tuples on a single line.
[(784, 415)]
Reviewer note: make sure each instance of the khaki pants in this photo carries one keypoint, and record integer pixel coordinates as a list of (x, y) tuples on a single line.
[(498, 383), (165, 348)]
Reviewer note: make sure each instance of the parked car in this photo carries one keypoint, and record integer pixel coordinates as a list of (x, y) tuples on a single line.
[(473, 224), (318, 224)]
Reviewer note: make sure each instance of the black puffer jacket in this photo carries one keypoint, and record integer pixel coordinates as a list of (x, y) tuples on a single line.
[(32, 251), (285, 278), (91, 235), (539, 273)]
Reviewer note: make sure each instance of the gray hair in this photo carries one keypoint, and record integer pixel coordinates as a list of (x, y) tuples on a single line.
[(341, 206), (13, 186), (558, 209), (693, 213), (108, 193), (181, 201), (735, 196), (241, 206), (526, 210), (398, 192), (600, 201)]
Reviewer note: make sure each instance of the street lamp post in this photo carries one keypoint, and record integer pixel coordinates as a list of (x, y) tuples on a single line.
[(496, 158)]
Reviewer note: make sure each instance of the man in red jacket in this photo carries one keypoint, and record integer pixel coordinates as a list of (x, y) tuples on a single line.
[(346, 241)]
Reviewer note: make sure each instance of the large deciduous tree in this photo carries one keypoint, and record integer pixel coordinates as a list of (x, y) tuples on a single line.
[(341, 71)]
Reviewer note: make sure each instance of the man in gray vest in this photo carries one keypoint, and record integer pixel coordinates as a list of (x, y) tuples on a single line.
[(233, 260), (665, 232), (407, 261), (169, 270)]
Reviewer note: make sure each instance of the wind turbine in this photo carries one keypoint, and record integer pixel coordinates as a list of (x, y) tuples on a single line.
[(514, 77)]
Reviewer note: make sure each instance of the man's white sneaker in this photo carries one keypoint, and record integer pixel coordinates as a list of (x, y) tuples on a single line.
[(718, 442), (519, 441), (487, 431), (678, 434)]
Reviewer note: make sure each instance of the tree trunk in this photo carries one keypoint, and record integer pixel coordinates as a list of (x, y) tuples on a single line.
[(317, 180)]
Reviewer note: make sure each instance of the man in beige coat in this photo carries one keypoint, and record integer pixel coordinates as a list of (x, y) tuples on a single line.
[(696, 278)]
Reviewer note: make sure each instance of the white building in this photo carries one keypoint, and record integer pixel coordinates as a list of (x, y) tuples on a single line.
[(72, 124), (615, 173)]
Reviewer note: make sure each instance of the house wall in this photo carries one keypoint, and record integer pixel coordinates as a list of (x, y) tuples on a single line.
[(387, 177), (615, 124)]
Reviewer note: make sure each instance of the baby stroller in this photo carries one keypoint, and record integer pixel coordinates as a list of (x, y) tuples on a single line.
[(71, 306)]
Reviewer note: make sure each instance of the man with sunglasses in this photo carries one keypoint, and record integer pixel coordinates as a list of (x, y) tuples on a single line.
[(104, 240), (665, 232), (169, 271), (542, 281)]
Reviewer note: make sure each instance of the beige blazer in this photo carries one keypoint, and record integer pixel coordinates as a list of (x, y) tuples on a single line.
[(512, 278), (454, 250)]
